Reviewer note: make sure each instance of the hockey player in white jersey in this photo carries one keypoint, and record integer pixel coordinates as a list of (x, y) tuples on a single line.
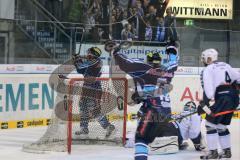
[(218, 79), (190, 127)]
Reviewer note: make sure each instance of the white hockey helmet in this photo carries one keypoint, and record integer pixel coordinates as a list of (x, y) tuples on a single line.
[(209, 53)]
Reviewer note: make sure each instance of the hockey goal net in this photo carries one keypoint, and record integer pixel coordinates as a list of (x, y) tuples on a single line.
[(92, 112)]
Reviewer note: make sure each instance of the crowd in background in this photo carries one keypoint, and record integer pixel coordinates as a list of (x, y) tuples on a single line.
[(142, 20), (138, 20)]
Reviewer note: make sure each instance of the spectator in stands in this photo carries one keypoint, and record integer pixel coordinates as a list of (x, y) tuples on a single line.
[(145, 4), (151, 15), (170, 25), (140, 11), (140, 26), (119, 14), (160, 30), (134, 30), (96, 33), (125, 15), (160, 6), (126, 33), (133, 20), (95, 7), (116, 27), (148, 31)]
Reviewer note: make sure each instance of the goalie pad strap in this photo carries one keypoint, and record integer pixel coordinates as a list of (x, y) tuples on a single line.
[(164, 145)]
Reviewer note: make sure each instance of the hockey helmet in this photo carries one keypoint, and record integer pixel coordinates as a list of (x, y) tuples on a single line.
[(190, 106), (171, 50), (209, 54), (95, 51), (154, 58)]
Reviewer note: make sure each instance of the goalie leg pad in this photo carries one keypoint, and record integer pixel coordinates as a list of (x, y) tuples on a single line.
[(164, 145)]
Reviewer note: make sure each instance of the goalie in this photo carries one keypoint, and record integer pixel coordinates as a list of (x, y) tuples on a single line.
[(90, 67)]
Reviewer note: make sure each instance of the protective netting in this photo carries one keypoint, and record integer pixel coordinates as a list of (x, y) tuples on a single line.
[(98, 116)]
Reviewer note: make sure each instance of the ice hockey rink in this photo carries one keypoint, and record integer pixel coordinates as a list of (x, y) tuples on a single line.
[(11, 142)]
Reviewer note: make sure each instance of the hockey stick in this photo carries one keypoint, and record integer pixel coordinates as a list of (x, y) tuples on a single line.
[(226, 112), (214, 115), (109, 46)]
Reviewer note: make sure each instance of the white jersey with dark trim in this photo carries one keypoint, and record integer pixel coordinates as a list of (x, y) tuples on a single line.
[(190, 127), (216, 74)]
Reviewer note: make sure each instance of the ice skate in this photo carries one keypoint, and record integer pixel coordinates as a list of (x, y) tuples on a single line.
[(226, 153), (199, 147), (213, 154), (183, 146), (110, 129), (83, 131)]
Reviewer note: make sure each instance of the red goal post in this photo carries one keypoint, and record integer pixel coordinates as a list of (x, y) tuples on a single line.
[(113, 103)]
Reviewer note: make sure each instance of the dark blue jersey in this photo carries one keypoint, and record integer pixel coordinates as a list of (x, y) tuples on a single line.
[(89, 68), (171, 67), (142, 73)]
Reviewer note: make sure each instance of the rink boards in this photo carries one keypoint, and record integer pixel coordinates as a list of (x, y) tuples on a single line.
[(27, 100)]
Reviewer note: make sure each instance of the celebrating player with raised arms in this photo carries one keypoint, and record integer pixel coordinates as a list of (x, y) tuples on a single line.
[(149, 89), (90, 67)]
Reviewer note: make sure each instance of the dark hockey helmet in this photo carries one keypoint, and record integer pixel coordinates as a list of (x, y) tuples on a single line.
[(190, 106), (95, 51), (171, 48), (154, 58)]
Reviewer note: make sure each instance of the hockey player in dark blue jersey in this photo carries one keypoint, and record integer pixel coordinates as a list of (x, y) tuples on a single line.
[(172, 61), (90, 67), (173, 135), (150, 90)]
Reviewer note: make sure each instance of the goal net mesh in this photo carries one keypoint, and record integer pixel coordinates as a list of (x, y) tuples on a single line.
[(92, 112)]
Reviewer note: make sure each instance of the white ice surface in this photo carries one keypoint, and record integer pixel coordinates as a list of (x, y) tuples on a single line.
[(11, 142)]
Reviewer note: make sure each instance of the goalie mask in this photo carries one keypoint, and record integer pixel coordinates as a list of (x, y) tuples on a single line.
[(208, 56), (190, 107), (154, 59)]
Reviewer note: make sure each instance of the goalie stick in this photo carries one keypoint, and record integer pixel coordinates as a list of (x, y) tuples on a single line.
[(214, 115), (192, 113)]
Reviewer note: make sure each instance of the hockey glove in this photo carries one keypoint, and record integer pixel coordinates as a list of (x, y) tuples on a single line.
[(76, 59), (236, 85), (141, 112), (62, 76), (204, 108), (136, 98)]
